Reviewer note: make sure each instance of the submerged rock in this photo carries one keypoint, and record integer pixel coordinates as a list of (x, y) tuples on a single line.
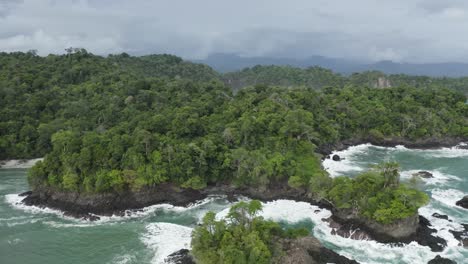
[(336, 157), (440, 260), (424, 174), (463, 202), (440, 216), (180, 257)]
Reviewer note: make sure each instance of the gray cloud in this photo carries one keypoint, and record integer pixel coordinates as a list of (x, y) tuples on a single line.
[(401, 30)]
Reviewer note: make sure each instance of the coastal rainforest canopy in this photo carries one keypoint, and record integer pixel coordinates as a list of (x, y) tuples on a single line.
[(243, 237), (124, 123)]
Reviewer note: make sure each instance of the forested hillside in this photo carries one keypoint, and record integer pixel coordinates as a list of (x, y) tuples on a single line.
[(124, 123), (316, 77), (42, 95)]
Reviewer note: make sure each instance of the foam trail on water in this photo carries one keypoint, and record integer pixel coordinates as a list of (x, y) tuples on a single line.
[(15, 201), (349, 162), (346, 164), (459, 151), (438, 177), (18, 164), (166, 238), (448, 197), (123, 259), (151, 210)]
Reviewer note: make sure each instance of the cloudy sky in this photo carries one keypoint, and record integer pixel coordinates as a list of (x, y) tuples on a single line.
[(369, 30)]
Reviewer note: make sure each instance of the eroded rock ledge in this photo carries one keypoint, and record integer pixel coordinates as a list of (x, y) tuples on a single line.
[(83, 205)]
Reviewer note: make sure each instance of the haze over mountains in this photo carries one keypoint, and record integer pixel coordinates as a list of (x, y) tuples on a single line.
[(224, 62)]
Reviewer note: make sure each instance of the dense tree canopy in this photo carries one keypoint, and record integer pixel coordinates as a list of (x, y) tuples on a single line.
[(317, 77), (242, 238), (377, 194), (123, 123)]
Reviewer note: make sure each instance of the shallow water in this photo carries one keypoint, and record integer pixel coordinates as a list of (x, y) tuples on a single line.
[(35, 235)]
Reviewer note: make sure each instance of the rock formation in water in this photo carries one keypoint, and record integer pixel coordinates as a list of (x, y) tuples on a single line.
[(463, 202), (440, 260), (423, 174)]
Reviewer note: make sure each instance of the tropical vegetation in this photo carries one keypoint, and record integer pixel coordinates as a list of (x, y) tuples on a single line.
[(242, 237), (122, 123)]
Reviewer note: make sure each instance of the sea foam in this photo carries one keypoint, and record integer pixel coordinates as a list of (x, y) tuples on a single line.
[(166, 238), (448, 197), (18, 164), (438, 177), (346, 164)]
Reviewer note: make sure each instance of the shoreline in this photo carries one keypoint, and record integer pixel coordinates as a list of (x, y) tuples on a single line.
[(426, 144), (79, 207), (18, 163), (87, 206)]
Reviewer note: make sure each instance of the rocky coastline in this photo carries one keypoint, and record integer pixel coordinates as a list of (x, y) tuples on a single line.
[(85, 205), (89, 205)]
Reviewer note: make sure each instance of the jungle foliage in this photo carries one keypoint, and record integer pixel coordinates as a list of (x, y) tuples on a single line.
[(242, 238), (123, 123)]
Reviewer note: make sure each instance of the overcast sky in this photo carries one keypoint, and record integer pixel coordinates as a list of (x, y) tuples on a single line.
[(399, 30)]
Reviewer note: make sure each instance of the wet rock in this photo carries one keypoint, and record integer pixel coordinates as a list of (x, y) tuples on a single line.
[(91, 217), (308, 250), (336, 157), (424, 174), (440, 216), (463, 202), (440, 260), (180, 257), (385, 233), (347, 230), (415, 228), (425, 238), (461, 236), (25, 193)]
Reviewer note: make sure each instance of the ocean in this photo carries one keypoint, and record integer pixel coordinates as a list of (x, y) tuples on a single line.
[(32, 235)]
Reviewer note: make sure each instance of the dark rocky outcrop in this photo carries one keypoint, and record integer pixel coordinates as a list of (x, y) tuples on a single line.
[(463, 202), (462, 235), (336, 157), (25, 193), (308, 250), (380, 232), (348, 231), (414, 228), (180, 257), (424, 174), (440, 216), (87, 205), (425, 238), (440, 260)]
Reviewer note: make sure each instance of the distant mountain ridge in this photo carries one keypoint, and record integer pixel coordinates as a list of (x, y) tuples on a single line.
[(223, 62)]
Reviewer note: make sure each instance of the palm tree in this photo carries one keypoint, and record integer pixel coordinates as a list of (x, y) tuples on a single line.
[(391, 173)]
